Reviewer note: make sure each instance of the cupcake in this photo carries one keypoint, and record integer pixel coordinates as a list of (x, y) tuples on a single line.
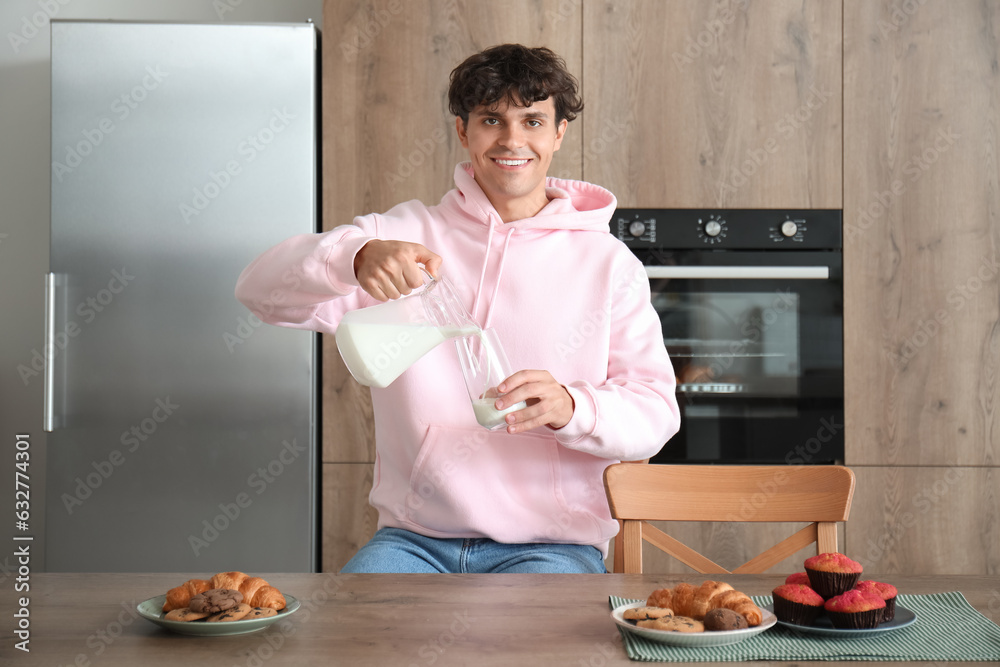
[(855, 610), (831, 574), (798, 578), (796, 603), (885, 591)]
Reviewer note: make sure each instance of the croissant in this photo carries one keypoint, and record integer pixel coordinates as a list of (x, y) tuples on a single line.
[(180, 596), (268, 596), (231, 580), (740, 603), (256, 591), (696, 601)]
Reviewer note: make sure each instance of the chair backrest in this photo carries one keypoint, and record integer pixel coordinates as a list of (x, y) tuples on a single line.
[(637, 494)]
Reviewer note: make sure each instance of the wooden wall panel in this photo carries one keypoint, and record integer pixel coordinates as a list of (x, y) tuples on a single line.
[(388, 137), (348, 520), (926, 520), (727, 103), (922, 233)]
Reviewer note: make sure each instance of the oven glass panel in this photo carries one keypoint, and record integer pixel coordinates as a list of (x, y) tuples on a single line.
[(759, 366), (732, 343)]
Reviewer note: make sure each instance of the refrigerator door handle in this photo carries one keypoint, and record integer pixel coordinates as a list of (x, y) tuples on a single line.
[(48, 376)]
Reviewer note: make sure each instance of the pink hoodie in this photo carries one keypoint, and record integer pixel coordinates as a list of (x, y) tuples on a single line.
[(564, 296)]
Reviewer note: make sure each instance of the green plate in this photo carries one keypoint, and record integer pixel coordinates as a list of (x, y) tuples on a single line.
[(152, 610)]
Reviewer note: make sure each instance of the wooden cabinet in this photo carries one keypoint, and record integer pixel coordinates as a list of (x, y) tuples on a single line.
[(922, 297), (925, 520), (921, 232), (729, 104)]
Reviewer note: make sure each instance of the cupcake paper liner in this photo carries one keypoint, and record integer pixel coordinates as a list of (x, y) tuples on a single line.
[(858, 620), (831, 584), (795, 612), (889, 612)]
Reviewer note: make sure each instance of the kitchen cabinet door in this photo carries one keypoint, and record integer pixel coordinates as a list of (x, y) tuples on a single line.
[(714, 104), (921, 233)]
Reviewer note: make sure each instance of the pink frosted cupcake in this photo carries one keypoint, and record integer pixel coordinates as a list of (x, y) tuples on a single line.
[(831, 574), (796, 603), (798, 578), (885, 591), (855, 610)]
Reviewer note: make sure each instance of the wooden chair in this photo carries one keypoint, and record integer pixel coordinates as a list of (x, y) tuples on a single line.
[(820, 495)]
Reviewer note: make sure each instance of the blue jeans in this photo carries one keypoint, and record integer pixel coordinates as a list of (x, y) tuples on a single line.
[(396, 550)]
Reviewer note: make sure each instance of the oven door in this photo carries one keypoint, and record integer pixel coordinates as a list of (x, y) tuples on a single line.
[(756, 340)]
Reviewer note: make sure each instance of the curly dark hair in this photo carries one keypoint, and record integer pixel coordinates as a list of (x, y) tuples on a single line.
[(517, 74)]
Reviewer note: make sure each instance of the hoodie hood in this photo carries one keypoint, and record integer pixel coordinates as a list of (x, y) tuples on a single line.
[(572, 204)]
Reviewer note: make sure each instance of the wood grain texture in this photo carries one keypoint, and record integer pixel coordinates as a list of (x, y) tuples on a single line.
[(922, 233), (728, 544), (458, 620), (738, 536), (714, 104), (348, 426), (931, 520), (348, 520), (388, 134), (729, 493), (723, 495)]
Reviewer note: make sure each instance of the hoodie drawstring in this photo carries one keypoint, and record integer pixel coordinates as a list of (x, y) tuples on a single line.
[(482, 275), (496, 286)]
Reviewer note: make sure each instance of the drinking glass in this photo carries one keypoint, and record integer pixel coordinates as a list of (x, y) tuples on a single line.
[(485, 366)]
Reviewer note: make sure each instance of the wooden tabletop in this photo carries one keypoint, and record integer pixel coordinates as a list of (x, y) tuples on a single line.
[(416, 619)]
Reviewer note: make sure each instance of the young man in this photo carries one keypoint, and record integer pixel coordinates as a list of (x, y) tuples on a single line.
[(531, 257)]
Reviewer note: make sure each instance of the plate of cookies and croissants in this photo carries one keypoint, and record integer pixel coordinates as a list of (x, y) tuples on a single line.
[(229, 603), (712, 614)]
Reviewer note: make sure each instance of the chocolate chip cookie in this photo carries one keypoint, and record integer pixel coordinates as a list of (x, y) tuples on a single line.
[(216, 600), (185, 615), (646, 613), (237, 613), (674, 624)]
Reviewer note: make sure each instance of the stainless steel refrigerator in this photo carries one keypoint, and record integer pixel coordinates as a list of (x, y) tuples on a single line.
[(183, 432)]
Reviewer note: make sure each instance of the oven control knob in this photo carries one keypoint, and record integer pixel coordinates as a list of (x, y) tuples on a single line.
[(637, 228), (789, 228), (713, 228)]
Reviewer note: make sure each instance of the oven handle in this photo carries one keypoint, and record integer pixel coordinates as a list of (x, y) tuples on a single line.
[(741, 272)]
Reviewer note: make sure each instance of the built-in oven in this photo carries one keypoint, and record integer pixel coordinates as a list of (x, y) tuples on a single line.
[(751, 306)]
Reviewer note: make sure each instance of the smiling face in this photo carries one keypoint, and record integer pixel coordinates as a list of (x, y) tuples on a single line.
[(511, 149)]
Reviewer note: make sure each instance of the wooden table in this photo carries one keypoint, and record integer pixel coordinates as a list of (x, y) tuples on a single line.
[(417, 619)]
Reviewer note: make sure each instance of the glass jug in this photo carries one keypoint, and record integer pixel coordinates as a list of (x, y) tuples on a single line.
[(378, 343)]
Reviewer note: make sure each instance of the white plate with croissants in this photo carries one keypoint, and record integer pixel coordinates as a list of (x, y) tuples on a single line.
[(713, 614), (230, 603)]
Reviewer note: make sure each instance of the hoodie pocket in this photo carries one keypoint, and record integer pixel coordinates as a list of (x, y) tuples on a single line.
[(479, 482)]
